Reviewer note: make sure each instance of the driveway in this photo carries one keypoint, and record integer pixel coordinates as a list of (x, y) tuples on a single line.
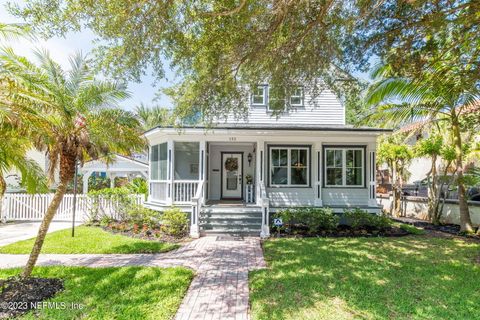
[(16, 231), (220, 288)]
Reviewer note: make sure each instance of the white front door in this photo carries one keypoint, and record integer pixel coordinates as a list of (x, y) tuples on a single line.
[(232, 173)]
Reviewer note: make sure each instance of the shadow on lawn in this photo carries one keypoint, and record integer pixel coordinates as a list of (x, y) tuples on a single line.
[(114, 293), (145, 247), (410, 277)]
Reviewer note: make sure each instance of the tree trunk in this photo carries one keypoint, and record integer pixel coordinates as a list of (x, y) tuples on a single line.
[(42, 231), (465, 220)]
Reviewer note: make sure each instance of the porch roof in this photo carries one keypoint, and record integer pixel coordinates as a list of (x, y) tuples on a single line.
[(277, 127)]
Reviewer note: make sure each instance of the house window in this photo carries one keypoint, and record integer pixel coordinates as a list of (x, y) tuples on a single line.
[(289, 166), (344, 167), (158, 162), (259, 96), (296, 98)]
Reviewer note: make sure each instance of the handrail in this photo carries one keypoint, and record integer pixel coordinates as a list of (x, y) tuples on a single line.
[(265, 203), (197, 202)]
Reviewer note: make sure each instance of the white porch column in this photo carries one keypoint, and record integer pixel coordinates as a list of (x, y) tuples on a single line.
[(318, 156), (170, 170), (86, 175), (202, 161), (259, 169), (372, 180), (112, 180)]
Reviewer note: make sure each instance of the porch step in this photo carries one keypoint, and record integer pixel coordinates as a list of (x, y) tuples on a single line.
[(231, 220)]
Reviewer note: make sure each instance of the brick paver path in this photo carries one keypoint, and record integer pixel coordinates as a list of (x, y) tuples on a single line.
[(219, 290)]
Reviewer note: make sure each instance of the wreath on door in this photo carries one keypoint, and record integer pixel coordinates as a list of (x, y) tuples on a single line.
[(231, 164)]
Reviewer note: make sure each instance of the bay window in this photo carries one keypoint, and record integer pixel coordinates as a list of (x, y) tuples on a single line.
[(289, 166), (344, 166), (159, 161)]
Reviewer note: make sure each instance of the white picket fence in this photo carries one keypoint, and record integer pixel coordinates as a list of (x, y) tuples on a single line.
[(32, 207)]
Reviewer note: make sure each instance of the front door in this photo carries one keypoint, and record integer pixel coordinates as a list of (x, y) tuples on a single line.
[(232, 173)]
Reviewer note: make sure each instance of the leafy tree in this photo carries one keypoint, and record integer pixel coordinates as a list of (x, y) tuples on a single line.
[(436, 148), (439, 95), (411, 36), (220, 49), (397, 156), (78, 119)]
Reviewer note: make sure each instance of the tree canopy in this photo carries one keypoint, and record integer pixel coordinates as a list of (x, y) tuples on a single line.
[(221, 48)]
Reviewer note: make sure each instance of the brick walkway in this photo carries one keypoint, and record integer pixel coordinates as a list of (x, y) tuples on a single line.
[(219, 290)]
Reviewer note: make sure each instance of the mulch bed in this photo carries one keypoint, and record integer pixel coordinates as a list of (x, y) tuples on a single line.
[(18, 296), (148, 235), (341, 231), (452, 229)]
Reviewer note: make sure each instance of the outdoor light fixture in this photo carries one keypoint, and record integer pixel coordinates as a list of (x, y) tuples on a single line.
[(249, 158)]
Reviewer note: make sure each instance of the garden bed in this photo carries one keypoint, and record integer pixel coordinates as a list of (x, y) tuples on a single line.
[(142, 233), (18, 296), (453, 229), (323, 222), (341, 231)]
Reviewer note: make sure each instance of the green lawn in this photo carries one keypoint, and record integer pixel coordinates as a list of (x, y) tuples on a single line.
[(114, 293), (414, 277), (89, 240)]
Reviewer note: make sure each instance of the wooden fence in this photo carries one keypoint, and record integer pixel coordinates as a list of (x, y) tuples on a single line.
[(32, 207)]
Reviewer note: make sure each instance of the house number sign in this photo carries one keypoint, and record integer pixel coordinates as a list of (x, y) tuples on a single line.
[(232, 138)]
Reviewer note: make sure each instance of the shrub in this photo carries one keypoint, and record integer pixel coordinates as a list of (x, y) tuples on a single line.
[(174, 222), (358, 219), (105, 221), (141, 215), (314, 219), (121, 196)]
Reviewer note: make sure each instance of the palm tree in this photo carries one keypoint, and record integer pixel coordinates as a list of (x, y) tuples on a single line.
[(438, 95), (14, 119), (80, 120), (152, 117)]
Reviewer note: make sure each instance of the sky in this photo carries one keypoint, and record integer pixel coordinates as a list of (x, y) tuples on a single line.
[(60, 48)]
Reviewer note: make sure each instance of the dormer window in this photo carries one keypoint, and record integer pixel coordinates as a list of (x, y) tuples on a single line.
[(259, 96), (296, 98)]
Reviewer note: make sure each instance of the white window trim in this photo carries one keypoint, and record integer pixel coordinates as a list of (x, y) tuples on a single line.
[(344, 167), (265, 96), (289, 166), (301, 98)]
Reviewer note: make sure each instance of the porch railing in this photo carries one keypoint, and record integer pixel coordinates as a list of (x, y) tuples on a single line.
[(159, 190), (197, 203), (179, 192), (265, 204), (184, 190)]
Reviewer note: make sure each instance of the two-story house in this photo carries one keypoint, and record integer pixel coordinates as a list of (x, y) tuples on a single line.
[(232, 176)]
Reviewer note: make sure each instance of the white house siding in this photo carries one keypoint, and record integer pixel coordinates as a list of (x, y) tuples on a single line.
[(215, 165), (324, 109), (345, 196), (286, 197)]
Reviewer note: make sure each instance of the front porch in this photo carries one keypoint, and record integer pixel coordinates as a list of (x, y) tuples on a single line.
[(208, 178)]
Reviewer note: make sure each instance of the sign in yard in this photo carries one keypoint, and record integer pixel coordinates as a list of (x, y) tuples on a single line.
[(278, 222)]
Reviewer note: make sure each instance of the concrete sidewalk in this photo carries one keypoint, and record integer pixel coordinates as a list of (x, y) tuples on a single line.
[(17, 231)]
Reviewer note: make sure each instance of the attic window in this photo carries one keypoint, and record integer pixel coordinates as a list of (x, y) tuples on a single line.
[(259, 96), (296, 99)]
